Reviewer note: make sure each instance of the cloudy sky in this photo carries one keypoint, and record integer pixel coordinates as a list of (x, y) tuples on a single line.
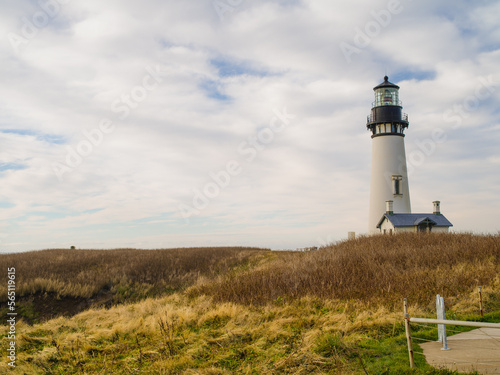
[(153, 124)]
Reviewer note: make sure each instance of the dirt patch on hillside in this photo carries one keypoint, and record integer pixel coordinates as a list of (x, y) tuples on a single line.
[(42, 307)]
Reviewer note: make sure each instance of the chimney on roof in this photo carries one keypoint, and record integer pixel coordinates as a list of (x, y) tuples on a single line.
[(388, 207), (437, 208)]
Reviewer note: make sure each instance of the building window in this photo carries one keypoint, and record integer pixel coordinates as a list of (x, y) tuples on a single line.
[(396, 185)]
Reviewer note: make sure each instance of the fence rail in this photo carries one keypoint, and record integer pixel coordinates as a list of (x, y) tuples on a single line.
[(455, 322)]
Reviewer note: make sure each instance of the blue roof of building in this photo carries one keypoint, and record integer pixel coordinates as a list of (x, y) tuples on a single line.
[(411, 220)]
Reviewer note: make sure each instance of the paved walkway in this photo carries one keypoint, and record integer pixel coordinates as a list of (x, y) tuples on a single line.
[(477, 350)]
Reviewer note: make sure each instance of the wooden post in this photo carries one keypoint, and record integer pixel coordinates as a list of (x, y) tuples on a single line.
[(481, 301), (408, 334)]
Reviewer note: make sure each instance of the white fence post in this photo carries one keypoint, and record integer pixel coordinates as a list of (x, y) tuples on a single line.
[(441, 327), (440, 315)]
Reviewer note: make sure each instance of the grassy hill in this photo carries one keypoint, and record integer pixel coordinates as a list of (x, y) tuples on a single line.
[(337, 310), (51, 283), (379, 269)]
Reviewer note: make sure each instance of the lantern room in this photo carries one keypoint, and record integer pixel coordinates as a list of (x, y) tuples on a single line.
[(387, 117), (386, 96)]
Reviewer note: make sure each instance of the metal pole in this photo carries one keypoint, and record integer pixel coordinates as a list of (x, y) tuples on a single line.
[(408, 333), (441, 327), (445, 340), (439, 315), (481, 300)]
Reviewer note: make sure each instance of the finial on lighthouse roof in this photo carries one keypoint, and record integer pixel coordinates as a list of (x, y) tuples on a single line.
[(386, 79)]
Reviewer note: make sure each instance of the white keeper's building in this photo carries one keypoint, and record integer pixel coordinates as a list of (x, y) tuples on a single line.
[(397, 223)]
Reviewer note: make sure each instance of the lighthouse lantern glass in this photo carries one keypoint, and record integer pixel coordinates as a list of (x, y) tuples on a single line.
[(386, 96)]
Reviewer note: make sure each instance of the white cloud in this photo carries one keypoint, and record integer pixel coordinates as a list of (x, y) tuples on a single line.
[(220, 82)]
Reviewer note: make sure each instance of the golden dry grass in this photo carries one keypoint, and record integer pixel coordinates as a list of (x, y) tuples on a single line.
[(306, 336), (203, 335)]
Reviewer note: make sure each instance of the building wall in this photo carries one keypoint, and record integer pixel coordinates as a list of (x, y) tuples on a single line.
[(388, 159), (440, 229), (406, 229), (415, 229), (387, 227)]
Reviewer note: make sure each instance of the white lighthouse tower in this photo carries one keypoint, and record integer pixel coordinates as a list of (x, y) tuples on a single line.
[(389, 177)]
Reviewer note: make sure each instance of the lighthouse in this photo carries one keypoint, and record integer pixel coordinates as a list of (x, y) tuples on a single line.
[(389, 176)]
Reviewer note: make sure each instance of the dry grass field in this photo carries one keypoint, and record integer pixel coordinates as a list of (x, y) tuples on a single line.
[(62, 282), (381, 269), (337, 310)]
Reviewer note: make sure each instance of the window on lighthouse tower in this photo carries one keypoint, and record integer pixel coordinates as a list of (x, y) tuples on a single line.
[(396, 185)]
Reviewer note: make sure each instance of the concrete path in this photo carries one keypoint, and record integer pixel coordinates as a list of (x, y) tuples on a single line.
[(477, 350)]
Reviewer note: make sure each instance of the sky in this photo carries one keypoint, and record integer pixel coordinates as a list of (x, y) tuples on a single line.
[(159, 124)]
